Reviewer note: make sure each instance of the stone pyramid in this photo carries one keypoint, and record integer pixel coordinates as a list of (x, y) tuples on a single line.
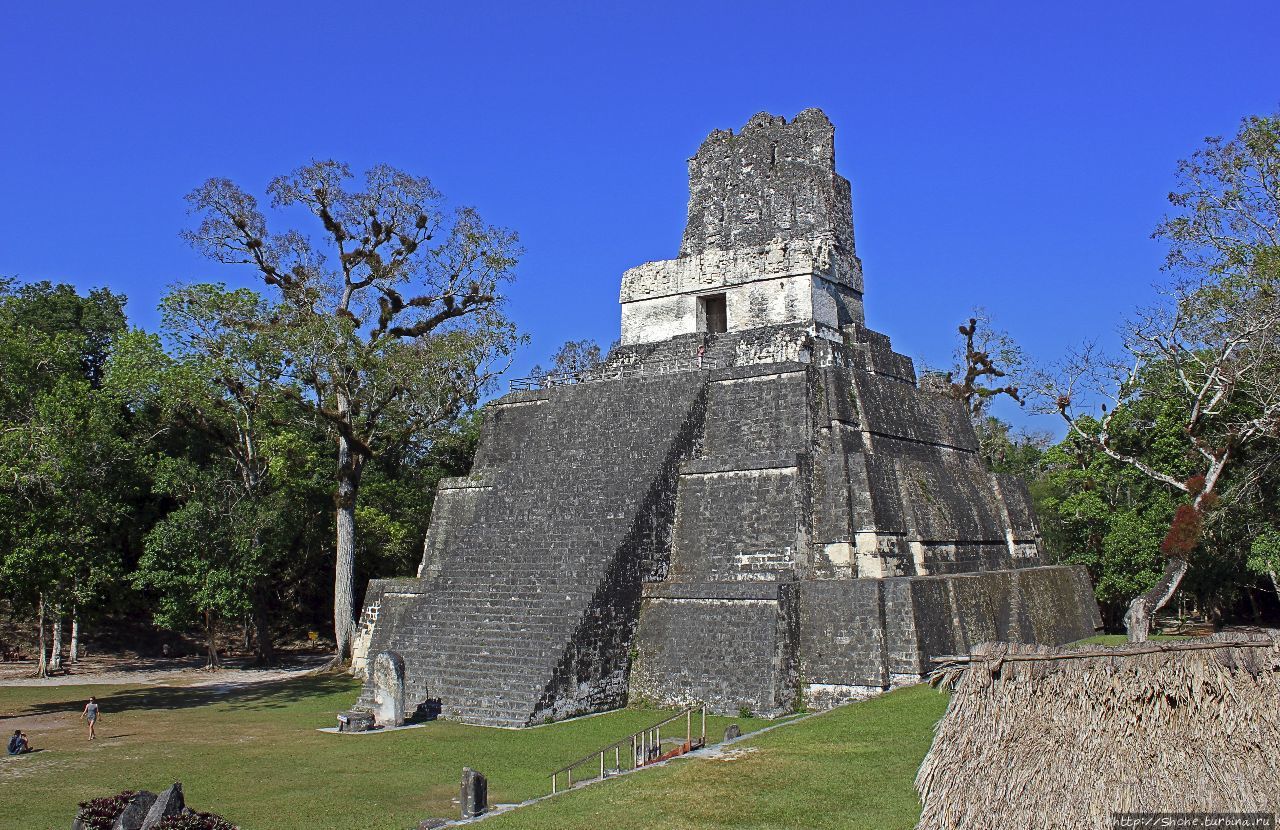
[(751, 504)]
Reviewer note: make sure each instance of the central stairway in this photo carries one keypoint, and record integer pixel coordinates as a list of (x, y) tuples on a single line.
[(530, 585)]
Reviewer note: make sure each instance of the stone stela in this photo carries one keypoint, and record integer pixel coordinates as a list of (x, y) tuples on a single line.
[(778, 517)]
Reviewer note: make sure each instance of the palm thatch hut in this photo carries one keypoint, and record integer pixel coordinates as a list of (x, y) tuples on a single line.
[(1065, 737)]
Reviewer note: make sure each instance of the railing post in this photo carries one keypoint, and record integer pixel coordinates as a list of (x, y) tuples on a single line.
[(688, 729), (602, 765), (704, 725), (553, 782), (569, 772)]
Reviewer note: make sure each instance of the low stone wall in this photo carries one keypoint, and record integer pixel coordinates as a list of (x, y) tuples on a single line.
[(767, 647)]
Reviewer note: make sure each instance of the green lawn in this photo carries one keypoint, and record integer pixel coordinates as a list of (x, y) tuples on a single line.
[(254, 755), (849, 768)]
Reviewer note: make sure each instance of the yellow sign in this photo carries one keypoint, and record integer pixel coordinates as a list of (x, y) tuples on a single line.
[(313, 635)]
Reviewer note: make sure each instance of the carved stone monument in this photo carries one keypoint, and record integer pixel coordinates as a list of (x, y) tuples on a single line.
[(475, 793), (387, 680), (751, 504)]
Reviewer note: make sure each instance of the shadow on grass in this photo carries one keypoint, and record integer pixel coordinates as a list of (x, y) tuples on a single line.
[(263, 695)]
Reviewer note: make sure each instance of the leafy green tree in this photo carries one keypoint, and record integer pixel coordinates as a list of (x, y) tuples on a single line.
[(1105, 515), (573, 357), (1211, 347), (391, 321), (202, 560), (64, 452), (1264, 556), (226, 386)]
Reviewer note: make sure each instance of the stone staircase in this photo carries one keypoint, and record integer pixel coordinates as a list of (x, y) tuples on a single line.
[(528, 603)]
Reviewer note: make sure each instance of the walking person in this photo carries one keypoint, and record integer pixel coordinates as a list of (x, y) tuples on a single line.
[(90, 714)]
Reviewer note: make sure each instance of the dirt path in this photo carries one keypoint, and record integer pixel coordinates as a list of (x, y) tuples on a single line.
[(162, 672)]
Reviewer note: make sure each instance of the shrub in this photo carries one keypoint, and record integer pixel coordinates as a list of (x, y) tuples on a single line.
[(195, 821), (101, 813)]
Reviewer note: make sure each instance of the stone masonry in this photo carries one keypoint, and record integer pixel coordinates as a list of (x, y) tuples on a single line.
[(751, 504)]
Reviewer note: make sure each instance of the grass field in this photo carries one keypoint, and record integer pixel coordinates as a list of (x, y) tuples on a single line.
[(254, 755), (847, 769)]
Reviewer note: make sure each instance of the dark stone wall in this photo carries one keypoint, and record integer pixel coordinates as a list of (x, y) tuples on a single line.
[(758, 412), (1017, 500), (772, 180), (879, 358), (532, 571), (865, 632), (729, 646), (592, 672), (842, 632), (738, 525), (689, 535)]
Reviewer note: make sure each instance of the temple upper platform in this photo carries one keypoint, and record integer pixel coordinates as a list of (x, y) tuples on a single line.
[(768, 241)]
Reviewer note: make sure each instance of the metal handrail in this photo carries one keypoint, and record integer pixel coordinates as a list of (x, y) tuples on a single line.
[(645, 747)]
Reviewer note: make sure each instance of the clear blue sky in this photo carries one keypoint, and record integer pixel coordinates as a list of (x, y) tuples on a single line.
[(1012, 155)]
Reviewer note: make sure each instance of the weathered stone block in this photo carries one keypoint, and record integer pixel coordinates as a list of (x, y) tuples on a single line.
[(730, 646), (388, 689), (136, 812), (355, 721), (168, 803), (475, 793)]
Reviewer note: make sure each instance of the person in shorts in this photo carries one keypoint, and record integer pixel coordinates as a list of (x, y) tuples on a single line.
[(90, 714)]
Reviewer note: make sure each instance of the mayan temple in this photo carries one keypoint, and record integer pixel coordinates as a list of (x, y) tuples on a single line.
[(751, 504)]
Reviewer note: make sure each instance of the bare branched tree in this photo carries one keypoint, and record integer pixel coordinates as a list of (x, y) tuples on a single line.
[(392, 321), (986, 357)]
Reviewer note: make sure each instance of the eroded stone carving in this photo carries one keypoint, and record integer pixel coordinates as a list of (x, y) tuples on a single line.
[(387, 677), (475, 793)]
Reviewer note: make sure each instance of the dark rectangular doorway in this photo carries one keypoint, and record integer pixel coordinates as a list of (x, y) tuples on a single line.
[(715, 313)]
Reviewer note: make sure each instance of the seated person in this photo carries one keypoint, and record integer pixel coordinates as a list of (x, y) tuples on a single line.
[(19, 744)]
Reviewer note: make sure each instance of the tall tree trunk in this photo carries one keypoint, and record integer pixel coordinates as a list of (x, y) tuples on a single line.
[(1275, 583), (1137, 621), (55, 644), (1255, 613), (42, 666), (350, 464), (264, 649), (211, 639), (74, 656), (1184, 534)]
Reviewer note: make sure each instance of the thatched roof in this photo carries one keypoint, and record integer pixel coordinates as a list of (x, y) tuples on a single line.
[(1061, 737)]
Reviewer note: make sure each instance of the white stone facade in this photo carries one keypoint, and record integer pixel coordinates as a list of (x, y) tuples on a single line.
[(785, 282)]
